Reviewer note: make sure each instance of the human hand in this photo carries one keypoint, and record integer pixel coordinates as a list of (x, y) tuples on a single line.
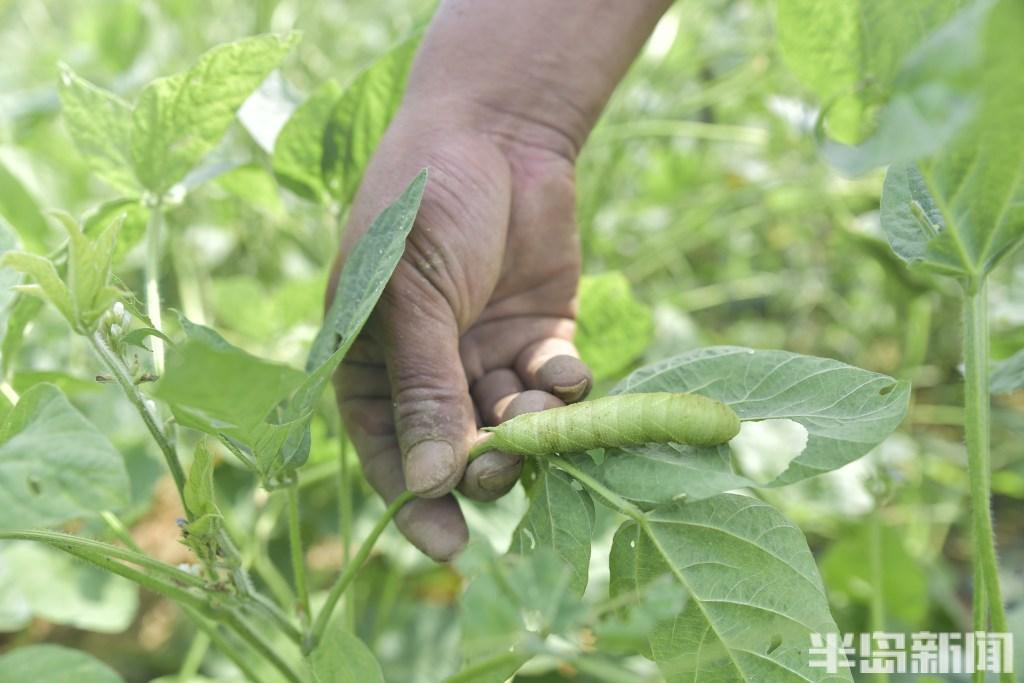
[(475, 326)]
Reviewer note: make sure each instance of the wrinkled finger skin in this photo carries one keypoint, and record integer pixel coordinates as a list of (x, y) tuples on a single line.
[(475, 325)]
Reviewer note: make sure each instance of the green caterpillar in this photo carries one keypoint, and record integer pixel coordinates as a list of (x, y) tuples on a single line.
[(615, 422)]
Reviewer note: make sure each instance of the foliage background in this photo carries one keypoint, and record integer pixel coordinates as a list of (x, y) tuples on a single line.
[(702, 186)]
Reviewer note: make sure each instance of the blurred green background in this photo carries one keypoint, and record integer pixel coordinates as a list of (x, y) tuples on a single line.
[(701, 188)]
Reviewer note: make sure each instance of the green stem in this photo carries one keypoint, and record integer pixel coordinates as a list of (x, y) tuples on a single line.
[(258, 643), (194, 657), (73, 544), (616, 501), (352, 566), (120, 531), (228, 649), (124, 379), (877, 594), (154, 233), (487, 668), (298, 559), (976, 425), (345, 515)]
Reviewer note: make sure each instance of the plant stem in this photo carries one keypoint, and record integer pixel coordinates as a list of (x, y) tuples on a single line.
[(124, 379), (120, 531), (616, 501), (72, 544), (352, 566), (503, 663), (877, 594), (258, 643), (153, 236), (976, 426), (194, 657), (226, 648), (345, 523), (298, 560)]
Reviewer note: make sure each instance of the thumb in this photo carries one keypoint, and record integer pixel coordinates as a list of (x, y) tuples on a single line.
[(434, 416)]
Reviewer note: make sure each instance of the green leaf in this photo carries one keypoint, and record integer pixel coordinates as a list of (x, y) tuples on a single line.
[(1008, 375), (56, 587), (846, 412), (134, 219), (19, 207), (613, 328), (199, 491), (366, 272), (359, 118), (753, 591), (849, 54), (341, 657), (89, 269), (100, 124), (8, 276), (22, 311), (561, 518), (217, 388), (299, 148), (48, 287), (54, 663), (846, 568), (177, 120), (932, 97), (253, 184), (54, 464), (627, 631)]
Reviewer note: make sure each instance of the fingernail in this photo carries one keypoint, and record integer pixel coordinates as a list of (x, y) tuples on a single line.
[(430, 468), (499, 479), (573, 392)]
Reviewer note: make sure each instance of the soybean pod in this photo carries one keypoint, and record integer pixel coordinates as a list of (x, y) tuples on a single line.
[(616, 422)]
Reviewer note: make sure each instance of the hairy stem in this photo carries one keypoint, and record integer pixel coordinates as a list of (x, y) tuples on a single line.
[(154, 234), (976, 425), (120, 373), (353, 565), (297, 554)]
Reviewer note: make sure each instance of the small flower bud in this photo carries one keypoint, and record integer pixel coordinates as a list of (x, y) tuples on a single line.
[(115, 330), (118, 309)]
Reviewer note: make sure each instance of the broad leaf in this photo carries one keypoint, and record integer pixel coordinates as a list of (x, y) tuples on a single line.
[(54, 663), (753, 592), (930, 100), (341, 657), (561, 518), (22, 211), (177, 120), (299, 148), (48, 284), (360, 117), (627, 630), (847, 569), (976, 186), (846, 412), (54, 464), (850, 53), (56, 587), (613, 328), (217, 388), (510, 603), (100, 123), (133, 216), (1008, 375), (22, 311)]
